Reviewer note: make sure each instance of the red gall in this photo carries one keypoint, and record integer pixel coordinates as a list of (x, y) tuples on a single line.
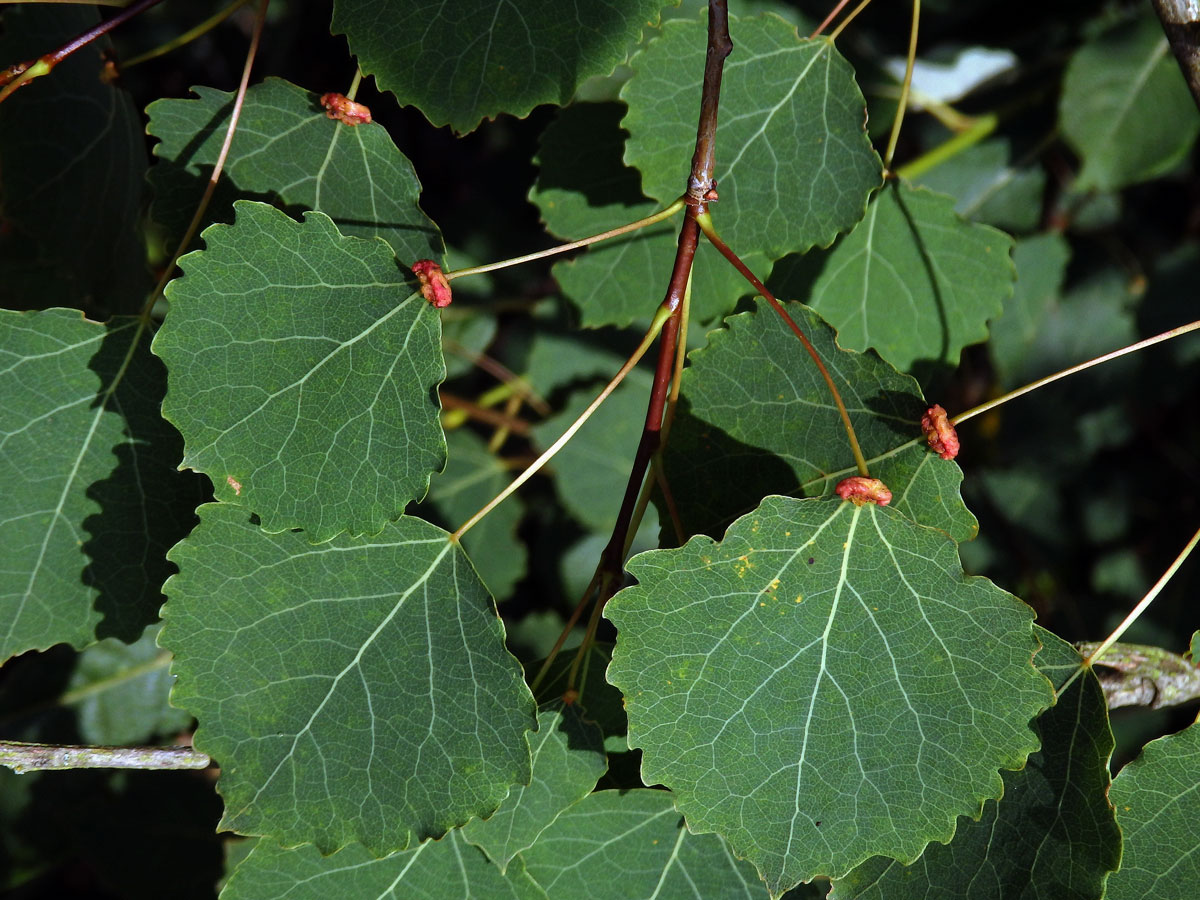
[(859, 490), (434, 286), (943, 439), (345, 110)]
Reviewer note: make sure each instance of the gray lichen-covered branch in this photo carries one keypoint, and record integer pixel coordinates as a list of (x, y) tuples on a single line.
[(22, 757)]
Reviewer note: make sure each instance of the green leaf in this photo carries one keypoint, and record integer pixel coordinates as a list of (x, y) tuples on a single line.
[(824, 685), (357, 690), (568, 760), (1041, 263), (119, 692), (474, 476), (913, 280), (72, 165), (793, 161), (621, 845), (1125, 107), (288, 151), (596, 461), (301, 374), (988, 189), (1157, 798), (757, 418), (584, 188), (474, 59), (431, 871), (92, 499), (1052, 835)]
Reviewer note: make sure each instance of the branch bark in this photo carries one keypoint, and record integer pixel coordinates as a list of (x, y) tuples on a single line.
[(1181, 22), (22, 757)]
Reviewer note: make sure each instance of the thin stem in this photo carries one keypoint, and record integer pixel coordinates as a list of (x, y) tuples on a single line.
[(1136, 612), (846, 21), (482, 413), (188, 36), (1042, 382), (234, 115), (829, 18), (655, 327), (22, 757), (978, 130), (715, 239), (905, 87), (573, 245), (500, 372), (27, 71), (357, 80), (566, 631)]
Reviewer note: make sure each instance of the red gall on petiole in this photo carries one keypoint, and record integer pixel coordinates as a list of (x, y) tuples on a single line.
[(943, 439), (345, 110), (859, 490), (434, 286)]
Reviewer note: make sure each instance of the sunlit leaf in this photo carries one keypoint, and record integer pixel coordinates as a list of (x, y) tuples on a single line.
[(757, 418), (468, 61), (356, 690), (1052, 835), (568, 759), (287, 150), (619, 845), (824, 685), (793, 162), (301, 367), (1157, 798), (431, 871), (1125, 107), (92, 499), (913, 280)]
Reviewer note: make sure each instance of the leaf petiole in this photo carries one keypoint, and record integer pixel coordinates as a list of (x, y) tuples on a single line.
[(660, 318), (705, 222), (573, 245)]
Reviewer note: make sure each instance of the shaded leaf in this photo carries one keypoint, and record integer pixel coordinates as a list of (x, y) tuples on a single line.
[(987, 188), (1125, 107), (568, 759), (600, 701), (1052, 835), (824, 685), (584, 188), (431, 871), (913, 280), (288, 151), (757, 418), (462, 63), (70, 224), (596, 462), (1157, 797), (1041, 263), (630, 845), (473, 476), (793, 161), (357, 690), (92, 499), (119, 692), (301, 369)]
